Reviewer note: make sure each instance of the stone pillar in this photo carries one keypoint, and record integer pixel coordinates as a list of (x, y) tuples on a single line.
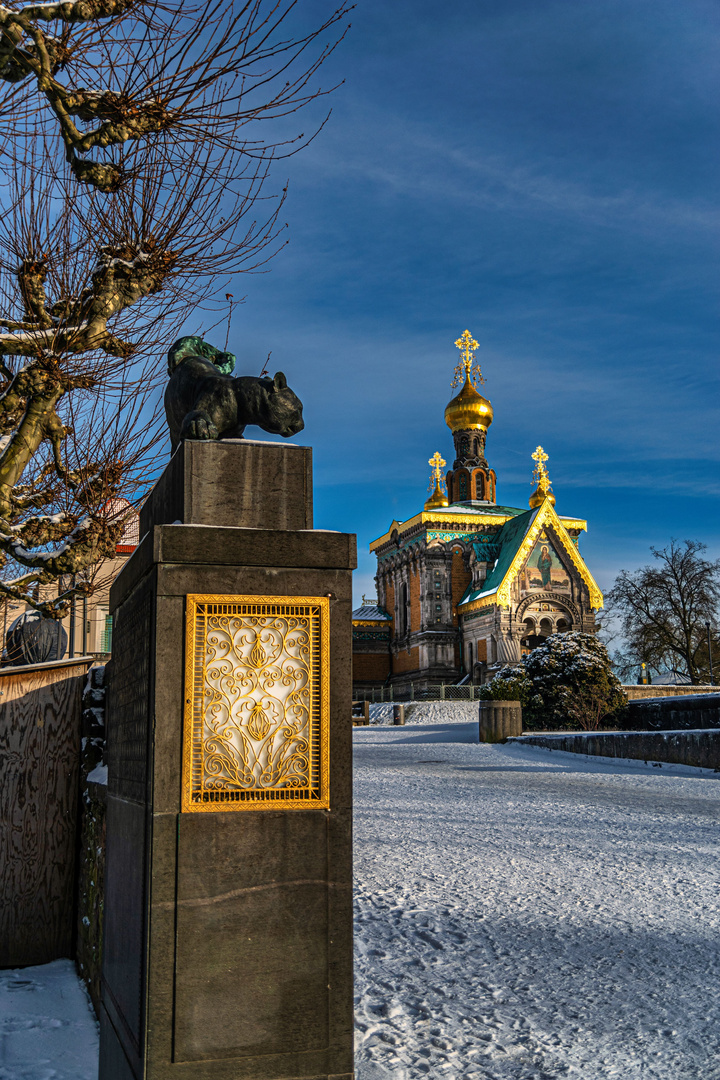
[(228, 933), (500, 720)]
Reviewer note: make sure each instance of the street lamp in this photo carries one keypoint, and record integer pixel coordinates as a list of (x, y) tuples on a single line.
[(707, 627)]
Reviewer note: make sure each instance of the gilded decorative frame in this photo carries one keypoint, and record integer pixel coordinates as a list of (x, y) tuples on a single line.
[(257, 695)]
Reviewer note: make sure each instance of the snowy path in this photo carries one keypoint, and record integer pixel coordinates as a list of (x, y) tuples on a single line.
[(519, 914), (47, 1031), (527, 914)]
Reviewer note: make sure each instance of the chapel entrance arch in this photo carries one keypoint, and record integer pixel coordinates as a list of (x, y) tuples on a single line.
[(540, 618)]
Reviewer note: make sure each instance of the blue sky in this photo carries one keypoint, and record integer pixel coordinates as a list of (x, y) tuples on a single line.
[(546, 175)]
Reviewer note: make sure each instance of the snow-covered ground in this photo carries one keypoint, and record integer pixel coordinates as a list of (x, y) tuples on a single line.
[(522, 913), (47, 1029)]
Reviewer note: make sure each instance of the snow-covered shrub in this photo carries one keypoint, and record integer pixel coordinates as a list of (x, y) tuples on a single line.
[(573, 684), (510, 684), (567, 682)]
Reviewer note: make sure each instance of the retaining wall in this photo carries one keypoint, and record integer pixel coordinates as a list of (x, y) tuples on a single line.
[(637, 692), (428, 712), (673, 713), (700, 748)]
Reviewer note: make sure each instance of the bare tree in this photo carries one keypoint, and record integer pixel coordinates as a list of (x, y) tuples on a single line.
[(663, 608), (132, 173)]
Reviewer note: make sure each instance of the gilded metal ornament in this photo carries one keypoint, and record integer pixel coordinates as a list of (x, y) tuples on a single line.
[(541, 477), (257, 703), (437, 480), (468, 369), (540, 472)]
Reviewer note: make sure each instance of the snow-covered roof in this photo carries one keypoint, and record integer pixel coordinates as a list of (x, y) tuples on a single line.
[(371, 613), (671, 678)]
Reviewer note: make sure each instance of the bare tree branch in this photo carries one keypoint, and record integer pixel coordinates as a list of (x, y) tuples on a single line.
[(663, 608), (132, 174)]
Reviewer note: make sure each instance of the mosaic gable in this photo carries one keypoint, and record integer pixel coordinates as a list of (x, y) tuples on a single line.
[(544, 570)]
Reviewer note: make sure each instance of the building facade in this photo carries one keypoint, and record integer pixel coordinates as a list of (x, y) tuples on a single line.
[(468, 585), (89, 625)]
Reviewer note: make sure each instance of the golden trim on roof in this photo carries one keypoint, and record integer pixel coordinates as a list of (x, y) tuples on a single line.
[(458, 517), (544, 516)]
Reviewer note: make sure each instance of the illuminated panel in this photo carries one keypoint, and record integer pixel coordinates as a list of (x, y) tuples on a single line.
[(256, 703)]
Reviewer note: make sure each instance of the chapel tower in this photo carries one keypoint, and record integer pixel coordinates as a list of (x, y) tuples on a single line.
[(465, 585), (469, 415)]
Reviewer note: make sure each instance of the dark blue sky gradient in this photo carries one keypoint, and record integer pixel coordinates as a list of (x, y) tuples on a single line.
[(546, 175)]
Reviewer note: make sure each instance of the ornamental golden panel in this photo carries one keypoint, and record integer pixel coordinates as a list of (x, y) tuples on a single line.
[(256, 703)]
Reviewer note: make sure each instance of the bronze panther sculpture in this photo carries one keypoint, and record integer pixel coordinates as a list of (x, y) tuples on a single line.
[(203, 401)]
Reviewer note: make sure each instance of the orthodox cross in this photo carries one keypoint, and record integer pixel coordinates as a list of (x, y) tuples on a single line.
[(468, 368), (540, 473), (436, 476)]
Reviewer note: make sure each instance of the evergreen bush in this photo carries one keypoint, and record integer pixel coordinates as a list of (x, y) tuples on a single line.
[(567, 682)]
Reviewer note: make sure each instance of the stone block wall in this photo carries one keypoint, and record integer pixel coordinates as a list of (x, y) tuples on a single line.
[(700, 749), (427, 712), (640, 693), (677, 713)]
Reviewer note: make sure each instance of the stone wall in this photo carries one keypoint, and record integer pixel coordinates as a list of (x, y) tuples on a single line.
[(700, 749), (673, 713), (637, 693), (428, 712), (686, 712)]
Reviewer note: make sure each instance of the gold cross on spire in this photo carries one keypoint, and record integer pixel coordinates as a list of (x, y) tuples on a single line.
[(436, 477), (543, 490), (540, 473), (468, 368)]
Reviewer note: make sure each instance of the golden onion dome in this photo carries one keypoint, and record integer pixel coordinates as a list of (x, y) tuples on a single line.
[(539, 495), (468, 410), (437, 500)]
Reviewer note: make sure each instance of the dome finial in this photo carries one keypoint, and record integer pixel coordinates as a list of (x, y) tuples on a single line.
[(541, 477), (438, 497), (468, 410), (468, 370)]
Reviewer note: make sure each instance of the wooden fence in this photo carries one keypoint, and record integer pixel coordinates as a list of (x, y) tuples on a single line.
[(40, 731)]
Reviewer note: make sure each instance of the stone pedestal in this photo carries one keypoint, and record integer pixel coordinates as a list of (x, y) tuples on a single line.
[(500, 720), (228, 932)]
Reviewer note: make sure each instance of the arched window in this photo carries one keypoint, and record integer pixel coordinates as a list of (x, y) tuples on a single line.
[(462, 487)]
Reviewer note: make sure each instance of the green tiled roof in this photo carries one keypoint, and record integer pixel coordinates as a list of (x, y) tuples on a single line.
[(371, 612), (479, 509), (507, 542)]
